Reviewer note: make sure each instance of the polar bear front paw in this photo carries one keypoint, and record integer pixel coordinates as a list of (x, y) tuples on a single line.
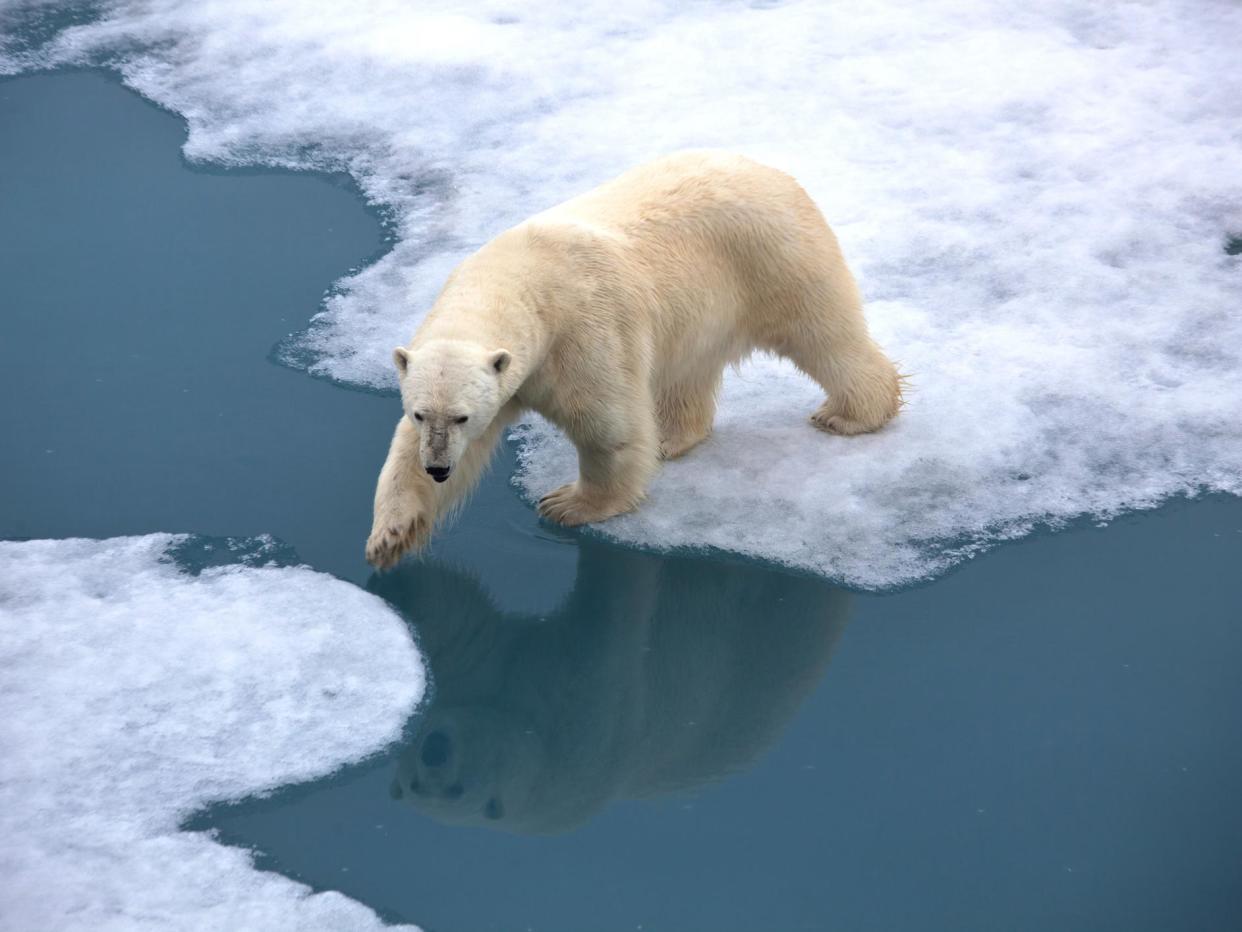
[(569, 506), (389, 540)]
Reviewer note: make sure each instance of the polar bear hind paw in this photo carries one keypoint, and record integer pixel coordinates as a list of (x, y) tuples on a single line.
[(831, 423), (830, 420)]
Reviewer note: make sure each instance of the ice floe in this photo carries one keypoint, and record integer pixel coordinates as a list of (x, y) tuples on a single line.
[(1036, 198), (135, 692)]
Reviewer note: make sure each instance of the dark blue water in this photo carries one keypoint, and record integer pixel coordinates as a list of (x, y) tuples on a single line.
[(1044, 739)]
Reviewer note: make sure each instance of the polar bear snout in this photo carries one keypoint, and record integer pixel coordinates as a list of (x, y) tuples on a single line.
[(439, 473)]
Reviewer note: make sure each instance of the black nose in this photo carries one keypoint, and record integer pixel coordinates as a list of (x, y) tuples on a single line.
[(436, 749), (439, 473)]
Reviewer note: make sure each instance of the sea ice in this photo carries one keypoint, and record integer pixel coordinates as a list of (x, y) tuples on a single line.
[(135, 693), (1036, 199)]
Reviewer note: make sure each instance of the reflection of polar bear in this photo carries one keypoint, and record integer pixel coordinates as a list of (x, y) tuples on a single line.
[(614, 315), (657, 674)]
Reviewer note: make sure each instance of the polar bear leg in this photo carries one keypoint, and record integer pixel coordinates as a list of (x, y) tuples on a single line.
[(615, 462), (831, 345), (405, 505), (864, 392), (686, 412), (409, 503)]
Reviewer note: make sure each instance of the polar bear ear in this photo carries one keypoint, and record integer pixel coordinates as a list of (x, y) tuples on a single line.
[(500, 361), (401, 357)]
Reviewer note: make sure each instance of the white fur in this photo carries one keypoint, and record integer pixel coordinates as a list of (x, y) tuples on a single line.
[(613, 315)]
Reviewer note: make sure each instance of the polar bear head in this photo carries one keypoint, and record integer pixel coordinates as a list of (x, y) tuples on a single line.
[(451, 390)]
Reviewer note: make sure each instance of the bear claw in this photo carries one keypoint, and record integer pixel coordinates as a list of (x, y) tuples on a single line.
[(836, 424), (387, 545), (569, 507)]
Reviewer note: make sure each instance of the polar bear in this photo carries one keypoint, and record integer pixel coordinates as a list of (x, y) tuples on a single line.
[(614, 315)]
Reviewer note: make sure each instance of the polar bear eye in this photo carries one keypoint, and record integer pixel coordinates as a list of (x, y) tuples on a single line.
[(418, 417), (462, 419)]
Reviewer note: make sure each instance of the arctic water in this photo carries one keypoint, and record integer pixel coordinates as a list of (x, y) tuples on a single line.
[(614, 739)]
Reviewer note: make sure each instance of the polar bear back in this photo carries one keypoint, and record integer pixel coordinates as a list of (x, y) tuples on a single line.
[(699, 256)]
